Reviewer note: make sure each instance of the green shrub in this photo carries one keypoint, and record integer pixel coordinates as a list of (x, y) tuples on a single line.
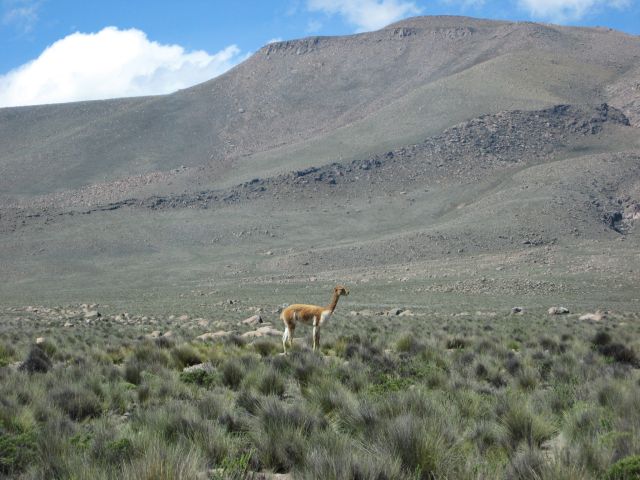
[(626, 469), (17, 451), (199, 377)]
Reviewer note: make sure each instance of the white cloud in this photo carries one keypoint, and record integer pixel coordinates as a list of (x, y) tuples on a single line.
[(366, 14), (568, 10), (23, 14), (107, 64)]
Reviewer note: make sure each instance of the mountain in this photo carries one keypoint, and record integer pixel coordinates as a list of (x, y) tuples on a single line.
[(449, 157)]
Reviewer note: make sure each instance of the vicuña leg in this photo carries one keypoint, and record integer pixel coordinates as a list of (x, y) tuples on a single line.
[(285, 338), (316, 338)]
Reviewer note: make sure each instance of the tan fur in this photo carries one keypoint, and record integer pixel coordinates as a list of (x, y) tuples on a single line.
[(311, 315)]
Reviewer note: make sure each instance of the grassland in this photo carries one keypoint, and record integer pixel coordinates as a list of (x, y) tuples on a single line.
[(420, 395)]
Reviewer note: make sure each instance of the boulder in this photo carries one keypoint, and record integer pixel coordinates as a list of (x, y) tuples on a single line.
[(207, 367), (91, 314), (182, 318), (517, 310), (253, 320), (595, 317), (211, 336), (558, 311), (252, 334), (155, 334), (270, 331)]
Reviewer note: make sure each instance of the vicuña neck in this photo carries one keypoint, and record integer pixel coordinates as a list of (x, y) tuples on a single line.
[(334, 301)]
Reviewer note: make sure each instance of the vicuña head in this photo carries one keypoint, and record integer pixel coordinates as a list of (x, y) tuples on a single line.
[(311, 315)]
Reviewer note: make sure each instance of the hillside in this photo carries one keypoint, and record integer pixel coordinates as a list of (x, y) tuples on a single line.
[(452, 157)]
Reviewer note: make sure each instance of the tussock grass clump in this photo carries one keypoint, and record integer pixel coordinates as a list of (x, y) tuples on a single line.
[(232, 374), (7, 354), (420, 447), (457, 343), (77, 402), (332, 456), (280, 435), (186, 355), (271, 383), (37, 361), (521, 425), (160, 461), (266, 348), (527, 464), (409, 344), (133, 372)]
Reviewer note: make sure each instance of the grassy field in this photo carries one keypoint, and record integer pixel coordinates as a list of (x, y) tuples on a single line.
[(419, 395)]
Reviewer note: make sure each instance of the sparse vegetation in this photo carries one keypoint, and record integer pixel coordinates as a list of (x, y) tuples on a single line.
[(452, 400)]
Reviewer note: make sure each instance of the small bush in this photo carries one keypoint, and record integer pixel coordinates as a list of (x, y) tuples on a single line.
[(164, 342), (481, 371), (620, 353), (601, 338), (37, 361), (626, 469), (513, 365), (199, 377), (16, 452), (118, 451)]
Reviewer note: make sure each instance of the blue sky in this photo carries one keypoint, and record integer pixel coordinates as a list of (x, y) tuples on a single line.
[(62, 50)]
